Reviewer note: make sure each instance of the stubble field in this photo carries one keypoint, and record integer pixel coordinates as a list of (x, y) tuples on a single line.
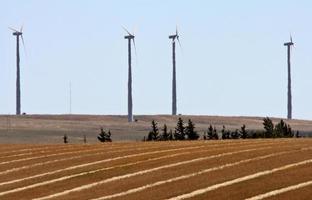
[(242, 169), (51, 128)]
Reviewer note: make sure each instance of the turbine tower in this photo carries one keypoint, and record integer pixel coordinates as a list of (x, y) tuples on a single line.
[(130, 37), (289, 97), (18, 34), (174, 80)]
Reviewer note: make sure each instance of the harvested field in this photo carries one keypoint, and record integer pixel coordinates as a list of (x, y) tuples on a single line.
[(242, 169)]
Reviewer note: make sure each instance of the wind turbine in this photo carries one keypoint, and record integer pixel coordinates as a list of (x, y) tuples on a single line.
[(130, 37), (289, 97), (18, 34), (174, 38)]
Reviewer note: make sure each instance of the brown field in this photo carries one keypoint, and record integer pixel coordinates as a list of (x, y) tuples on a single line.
[(51, 128), (239, 169)]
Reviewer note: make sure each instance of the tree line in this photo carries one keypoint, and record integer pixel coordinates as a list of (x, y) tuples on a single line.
[(181, 132), (187, 131)]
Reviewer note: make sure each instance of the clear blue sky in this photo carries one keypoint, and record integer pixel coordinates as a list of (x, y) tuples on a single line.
[(233, 61)]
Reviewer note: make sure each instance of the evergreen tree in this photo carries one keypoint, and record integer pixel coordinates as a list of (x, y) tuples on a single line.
[(215, 135), (210, 132), (223, 131), (179, 133), (290, 132), (268, 128), (109, 134), (165, 134), (282, 129), (279, 129), (243, 132), (153, 135), (190, 131), (226, 134)]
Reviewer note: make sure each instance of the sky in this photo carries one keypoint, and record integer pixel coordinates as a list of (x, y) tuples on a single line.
[(232, 61)]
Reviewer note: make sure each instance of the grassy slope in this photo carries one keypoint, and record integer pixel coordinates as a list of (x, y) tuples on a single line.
[(51, 128)]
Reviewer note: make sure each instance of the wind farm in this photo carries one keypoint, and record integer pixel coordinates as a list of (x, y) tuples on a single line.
[(135, 132), (201, 100)]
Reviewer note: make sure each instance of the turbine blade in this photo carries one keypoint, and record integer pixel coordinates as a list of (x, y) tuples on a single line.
[(22, 28), (24, 44), (177, 30), (135, 50), (179, 42), (291, 39), (126, 30), (13, 29)]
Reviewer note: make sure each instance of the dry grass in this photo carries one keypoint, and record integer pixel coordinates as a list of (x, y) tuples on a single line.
[(136, 165), (51, 128)]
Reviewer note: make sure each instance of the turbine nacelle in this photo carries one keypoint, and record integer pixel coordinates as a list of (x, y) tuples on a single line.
[(288, 44), (17, 33), (129, 37), (173, 37)]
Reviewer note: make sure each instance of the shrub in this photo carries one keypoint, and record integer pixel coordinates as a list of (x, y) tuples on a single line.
[(235, 134), (104, 137), (65, 139), (84, 139), (243, 132)]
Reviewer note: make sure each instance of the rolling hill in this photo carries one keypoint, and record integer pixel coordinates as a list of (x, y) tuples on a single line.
[(51, 128)]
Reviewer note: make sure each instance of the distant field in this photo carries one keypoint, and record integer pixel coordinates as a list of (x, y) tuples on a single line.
[(51, 128), (241, 169)]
